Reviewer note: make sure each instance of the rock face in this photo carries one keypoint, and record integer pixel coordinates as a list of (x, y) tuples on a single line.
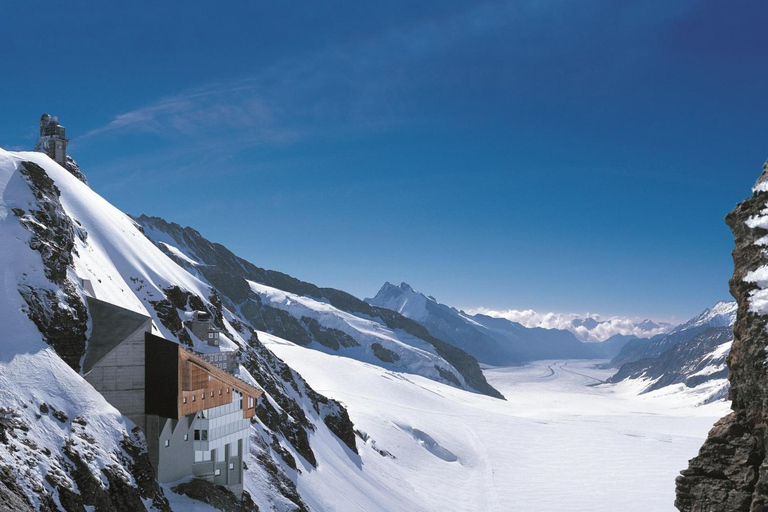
[(731, 473), (53, 236)]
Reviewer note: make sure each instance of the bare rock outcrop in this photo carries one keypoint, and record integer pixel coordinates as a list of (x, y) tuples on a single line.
[(731, 472)]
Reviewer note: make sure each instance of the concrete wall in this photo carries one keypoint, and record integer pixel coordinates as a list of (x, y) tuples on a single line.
[(174, 461), (60, 152), (119, 377)]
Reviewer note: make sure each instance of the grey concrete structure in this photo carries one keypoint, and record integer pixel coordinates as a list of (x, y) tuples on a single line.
[(202, 326), (114, 361), (52, 139), (210, 443)]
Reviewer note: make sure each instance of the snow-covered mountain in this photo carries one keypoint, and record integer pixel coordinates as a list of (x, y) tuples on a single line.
[(693, 355), (62, 445), (493, 341), (721, 314), (699, 364), (320, 318)]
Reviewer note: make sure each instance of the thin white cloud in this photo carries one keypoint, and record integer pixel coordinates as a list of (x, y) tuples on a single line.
[(341, 89), (586, 327)]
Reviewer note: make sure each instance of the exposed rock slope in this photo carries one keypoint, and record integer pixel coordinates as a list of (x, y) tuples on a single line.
[(731, 472)]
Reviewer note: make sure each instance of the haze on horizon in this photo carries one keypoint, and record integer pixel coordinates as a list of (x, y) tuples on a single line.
[(500, 154)]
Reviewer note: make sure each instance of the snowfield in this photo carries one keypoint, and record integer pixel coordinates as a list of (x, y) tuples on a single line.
[(561, 441)]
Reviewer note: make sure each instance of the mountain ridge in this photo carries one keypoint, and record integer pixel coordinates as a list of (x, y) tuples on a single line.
[(231, 275), (491, 340)]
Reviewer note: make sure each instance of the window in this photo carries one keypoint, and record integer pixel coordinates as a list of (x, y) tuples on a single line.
[(184, 400), (186, 437), (202, 396), (193, 398), (167, 443), (219, 392), (211, 394), (231, 466), (210, 335), (217, 472), (197, 435), (227, 390), (202, 456)]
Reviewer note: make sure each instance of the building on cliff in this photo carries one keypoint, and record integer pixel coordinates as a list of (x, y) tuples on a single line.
[(52, 139), (201, 325), (195, 415)]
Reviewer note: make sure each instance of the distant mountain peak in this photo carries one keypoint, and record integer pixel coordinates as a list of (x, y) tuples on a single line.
[(490, 340), (722, 314)]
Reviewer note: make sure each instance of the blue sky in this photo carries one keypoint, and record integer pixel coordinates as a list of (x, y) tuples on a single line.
[(561, 156)]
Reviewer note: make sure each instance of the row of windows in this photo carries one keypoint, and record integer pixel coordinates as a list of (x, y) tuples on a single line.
[(206, 456), (202, 396), (238, 427)]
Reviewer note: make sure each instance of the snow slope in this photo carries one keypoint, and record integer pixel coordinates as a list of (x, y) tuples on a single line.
[(51, 420), (699, 363), (722, 314), (414, 355), (127, 269), (557, 443)]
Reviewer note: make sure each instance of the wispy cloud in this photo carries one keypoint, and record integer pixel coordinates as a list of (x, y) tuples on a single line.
[(338, 90), (215, 110), (344, 91)]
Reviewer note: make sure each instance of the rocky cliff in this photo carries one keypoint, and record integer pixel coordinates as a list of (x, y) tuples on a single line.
[(731, 473)]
